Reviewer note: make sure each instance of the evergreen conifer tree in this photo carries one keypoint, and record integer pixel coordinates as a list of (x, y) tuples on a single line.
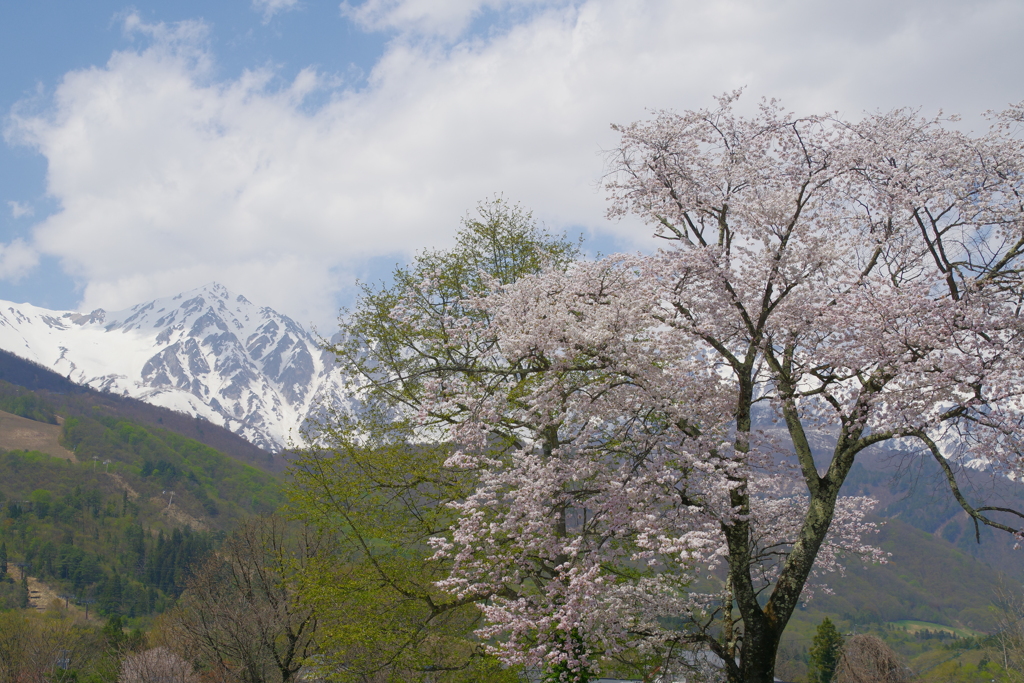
[(824, 654), (23, 597), (113, 632), (3, 560)]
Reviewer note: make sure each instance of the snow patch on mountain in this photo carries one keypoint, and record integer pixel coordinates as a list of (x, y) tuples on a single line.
[(207, 352)]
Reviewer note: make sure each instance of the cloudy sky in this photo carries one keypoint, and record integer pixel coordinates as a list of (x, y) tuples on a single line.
[(287, 148)]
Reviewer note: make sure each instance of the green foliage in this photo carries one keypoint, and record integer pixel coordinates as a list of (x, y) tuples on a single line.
[(380, 611), (384, 497), (20, 401), (102, 529), (88, 538), (13, 594), (206, 482), (117, 640), (824, 655), (41, 500), (113, 630), (936, 655), (394, 354), (964, 667)]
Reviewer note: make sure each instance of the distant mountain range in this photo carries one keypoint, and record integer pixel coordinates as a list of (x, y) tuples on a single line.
[(207, 352)]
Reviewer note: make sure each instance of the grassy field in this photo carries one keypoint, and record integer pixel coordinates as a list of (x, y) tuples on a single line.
[(20, 433), (912, 626)]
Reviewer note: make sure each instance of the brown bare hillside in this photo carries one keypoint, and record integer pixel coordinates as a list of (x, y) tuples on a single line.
[(42, 597), (20, 433)]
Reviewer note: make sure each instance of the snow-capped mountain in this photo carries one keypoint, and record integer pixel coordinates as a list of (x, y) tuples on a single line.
[(206, 352)]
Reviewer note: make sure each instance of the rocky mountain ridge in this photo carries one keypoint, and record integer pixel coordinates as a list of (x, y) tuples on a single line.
[(207, 352)]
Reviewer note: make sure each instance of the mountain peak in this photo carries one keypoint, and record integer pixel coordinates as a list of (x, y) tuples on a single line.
[(214, 289), (205, 352)]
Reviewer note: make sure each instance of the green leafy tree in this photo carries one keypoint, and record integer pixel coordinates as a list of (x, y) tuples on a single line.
[(41, 502), (400, 337), (373, 481), (825, 651), (113, 632)]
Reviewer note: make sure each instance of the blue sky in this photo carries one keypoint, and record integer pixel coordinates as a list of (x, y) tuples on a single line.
[(288, 147), (41, 41)]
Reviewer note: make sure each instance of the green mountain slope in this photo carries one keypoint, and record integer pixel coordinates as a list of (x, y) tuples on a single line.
[(926, 579), (206, 484), (83, 532), (125, 521)]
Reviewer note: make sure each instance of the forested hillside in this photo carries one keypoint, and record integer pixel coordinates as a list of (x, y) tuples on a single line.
[(90, 541), (123, 526), (207, 484)]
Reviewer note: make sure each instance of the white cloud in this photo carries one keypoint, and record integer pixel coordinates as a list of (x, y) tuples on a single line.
[(19, 209), (446, 18), (268, 8), (188, 40), (168, 178), (17, 259)]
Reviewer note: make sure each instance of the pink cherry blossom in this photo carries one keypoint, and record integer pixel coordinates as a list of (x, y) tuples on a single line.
[(640, 426)]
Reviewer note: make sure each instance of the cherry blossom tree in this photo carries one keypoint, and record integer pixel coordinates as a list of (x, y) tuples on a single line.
[(604, 476), (639, 427)]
